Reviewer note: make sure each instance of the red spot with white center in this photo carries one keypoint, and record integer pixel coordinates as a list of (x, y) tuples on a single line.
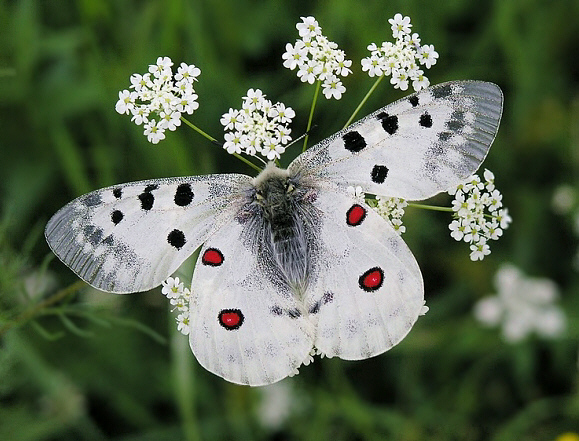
[(355, 215), (230, 319), (212, 257), (372, 279)]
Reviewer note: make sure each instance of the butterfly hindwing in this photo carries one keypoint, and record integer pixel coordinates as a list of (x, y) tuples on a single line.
[(368, 290), (415, 147), (130, 237), (246, 324)]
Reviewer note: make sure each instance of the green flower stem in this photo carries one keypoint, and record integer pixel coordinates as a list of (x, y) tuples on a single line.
[(430, 207), (364, 100), (314, 101), (37, 309), (198, 130), (184, 385), (213, 140)]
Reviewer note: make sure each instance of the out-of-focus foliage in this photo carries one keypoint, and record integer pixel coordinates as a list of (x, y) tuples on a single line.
[(77, 364)]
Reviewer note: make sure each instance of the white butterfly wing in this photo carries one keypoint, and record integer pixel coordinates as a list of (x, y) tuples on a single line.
[(131, 237), (367, 292), (245, 323), (415, 147)]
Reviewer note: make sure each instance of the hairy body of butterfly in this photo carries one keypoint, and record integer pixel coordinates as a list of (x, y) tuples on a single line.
[(289, 260)]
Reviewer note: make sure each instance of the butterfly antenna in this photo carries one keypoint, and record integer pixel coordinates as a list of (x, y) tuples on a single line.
[(303, 135)]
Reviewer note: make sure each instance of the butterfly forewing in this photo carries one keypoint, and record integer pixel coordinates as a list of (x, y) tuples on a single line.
[(413, 148), (131, 237)]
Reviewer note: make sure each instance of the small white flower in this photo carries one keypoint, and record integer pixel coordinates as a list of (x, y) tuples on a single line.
[(479, 250), (154, 132), (231, 119), (308, 28), (160, 68), (233, 142), (428, 56), (372, 65), (183, 323), (140, 115), (285, 114), (399, 79), (333, 88), (126, 102), (400, 25), (188, 72), (172, 287), (170, 120), (294, 55)]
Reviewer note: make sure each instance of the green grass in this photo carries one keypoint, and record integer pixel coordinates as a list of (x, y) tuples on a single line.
[(86, 365)]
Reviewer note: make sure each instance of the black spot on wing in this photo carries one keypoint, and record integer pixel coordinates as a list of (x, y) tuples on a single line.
[(379, 173), (425, 120), (92, 200), (413, 100), (147, 200), (117, 216), (118, 192), (353, 141), (149, 188), (441, 91), (389, 122), (183, 195), (93, 234), (456, 121), (176, 239)]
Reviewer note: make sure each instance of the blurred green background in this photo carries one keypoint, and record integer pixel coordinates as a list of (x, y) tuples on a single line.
[(86, 365)]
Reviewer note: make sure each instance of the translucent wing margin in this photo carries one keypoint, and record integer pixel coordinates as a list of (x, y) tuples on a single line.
[(131, 237), (415, 147)]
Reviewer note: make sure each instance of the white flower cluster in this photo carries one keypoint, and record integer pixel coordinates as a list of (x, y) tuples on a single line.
[(522, 306), (478, 214), (400, 59), (180, 298), (317, 58), (259, 127), (392, 209), (158, 98)]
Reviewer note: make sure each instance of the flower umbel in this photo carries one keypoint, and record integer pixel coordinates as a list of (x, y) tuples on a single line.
[(402, 58), (158, 98), (391, 209), (522, 306), (180, 298), (479, 215), (259, 127), (317, 58)]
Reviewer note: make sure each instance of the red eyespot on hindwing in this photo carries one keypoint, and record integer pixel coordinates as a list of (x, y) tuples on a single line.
[(372, 279), (212, 257), (355, 215), (230, 319)]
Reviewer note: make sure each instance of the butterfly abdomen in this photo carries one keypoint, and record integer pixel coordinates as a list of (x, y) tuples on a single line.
[(281, 202)]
